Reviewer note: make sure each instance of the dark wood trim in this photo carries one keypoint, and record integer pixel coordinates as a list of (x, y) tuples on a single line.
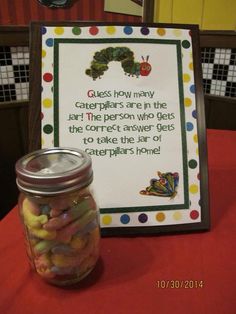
[(19, 35), (14, 36), (220, 112), (201, 126), (19, 112), (218, 39), (35, 87), (223, 99), (148, 11), (14, 104)]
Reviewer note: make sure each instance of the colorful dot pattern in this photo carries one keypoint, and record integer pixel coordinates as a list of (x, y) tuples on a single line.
[(146, 217)]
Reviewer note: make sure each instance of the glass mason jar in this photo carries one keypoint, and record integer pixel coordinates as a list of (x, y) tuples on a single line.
[(59, 213)]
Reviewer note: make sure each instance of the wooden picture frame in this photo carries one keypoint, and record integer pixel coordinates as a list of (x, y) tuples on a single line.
[(191, 211), (148, 11)]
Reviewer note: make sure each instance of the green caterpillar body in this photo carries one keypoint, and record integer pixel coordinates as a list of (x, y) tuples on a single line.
[(124, 55)]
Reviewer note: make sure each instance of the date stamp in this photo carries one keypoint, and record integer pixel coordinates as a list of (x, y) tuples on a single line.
[(180, 284)]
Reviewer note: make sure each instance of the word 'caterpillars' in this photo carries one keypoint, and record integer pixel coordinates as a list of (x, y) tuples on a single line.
[(118, 122)]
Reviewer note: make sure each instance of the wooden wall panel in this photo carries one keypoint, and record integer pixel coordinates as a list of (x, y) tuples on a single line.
[(163, 11), (209, 14), (183, 10), (219, 14), (21, 12)]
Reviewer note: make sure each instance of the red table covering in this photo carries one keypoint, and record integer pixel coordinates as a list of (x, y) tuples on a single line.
[(141, 274)]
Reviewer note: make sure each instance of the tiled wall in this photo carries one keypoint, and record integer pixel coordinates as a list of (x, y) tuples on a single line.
[(219, 72), (14, 73)]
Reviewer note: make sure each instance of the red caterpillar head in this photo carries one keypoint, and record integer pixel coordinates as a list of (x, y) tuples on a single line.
[(145, 67)]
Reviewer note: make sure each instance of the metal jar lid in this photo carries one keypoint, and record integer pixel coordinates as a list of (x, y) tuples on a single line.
[(54, 171)]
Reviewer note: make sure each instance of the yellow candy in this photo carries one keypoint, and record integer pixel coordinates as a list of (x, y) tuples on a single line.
[(30, 219), (61, 260), (43, 246), (43, 234), (78, 243), (32, 206)]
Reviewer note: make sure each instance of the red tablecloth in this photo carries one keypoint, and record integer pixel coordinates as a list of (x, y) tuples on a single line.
[(127, 275)]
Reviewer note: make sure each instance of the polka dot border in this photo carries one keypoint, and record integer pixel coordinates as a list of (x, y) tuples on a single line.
[(143, 218), (150, 218), (125, 219), (189, 102), (94, 30)]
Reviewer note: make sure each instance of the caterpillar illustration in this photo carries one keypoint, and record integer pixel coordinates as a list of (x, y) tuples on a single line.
[(124, 55), (166, 185)]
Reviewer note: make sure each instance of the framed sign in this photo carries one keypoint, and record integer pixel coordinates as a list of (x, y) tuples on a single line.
[(131, 97)]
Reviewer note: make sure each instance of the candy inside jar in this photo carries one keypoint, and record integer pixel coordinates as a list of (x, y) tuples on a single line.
[(59, 214)]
